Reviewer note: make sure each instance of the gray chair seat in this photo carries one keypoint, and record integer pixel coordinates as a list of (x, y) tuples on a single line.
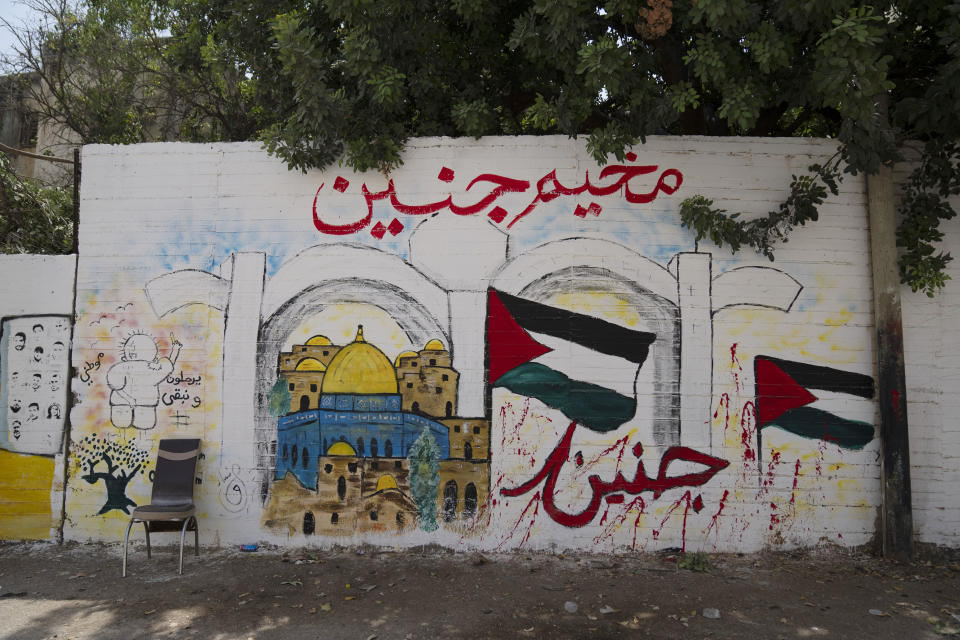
[(161, 512)]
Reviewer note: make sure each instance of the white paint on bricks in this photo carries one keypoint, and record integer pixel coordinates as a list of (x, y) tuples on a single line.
[(151, 210)]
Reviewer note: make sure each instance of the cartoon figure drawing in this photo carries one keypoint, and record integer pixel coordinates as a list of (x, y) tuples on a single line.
[(133, 381)]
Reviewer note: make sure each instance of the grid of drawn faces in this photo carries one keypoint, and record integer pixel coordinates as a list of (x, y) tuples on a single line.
[(35, 355)]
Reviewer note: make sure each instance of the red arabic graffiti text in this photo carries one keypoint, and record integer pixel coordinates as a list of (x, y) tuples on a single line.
[(548, 188), (614, 489)]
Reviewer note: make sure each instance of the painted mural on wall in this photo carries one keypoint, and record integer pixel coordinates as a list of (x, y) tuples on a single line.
[(34, 356), (506, 356), (134, 381), (114, 463), (368, 440), (33, 367), (137, 379)]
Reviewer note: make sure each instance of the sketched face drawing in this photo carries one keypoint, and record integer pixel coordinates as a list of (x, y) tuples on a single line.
[(35, 384), (139, 347), (19, 341), (33, 411)]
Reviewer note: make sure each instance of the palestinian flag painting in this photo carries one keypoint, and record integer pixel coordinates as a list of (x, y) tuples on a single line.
[(578, 364), (784, 400)]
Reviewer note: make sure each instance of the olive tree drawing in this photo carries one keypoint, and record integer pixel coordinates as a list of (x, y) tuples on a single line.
[(114, 462)]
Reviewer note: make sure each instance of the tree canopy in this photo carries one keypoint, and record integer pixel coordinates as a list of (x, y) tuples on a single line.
[(353, 80)]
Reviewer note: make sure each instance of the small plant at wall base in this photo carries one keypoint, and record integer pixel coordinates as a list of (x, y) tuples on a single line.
[(424, 479), (33, 218), (697, 561)]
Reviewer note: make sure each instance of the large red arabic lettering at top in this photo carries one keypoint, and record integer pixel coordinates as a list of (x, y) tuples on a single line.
[(612, 179)]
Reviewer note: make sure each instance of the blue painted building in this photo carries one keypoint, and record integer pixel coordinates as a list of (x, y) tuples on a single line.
[(359, 406)]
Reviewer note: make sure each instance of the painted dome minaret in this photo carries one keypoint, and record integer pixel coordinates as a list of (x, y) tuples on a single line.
[(360, 368)]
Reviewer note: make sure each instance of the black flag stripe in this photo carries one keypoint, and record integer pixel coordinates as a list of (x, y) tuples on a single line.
[(825, 378), (593, 333)]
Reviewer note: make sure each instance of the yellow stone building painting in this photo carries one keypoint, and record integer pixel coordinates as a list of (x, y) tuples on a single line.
[(342, 459)]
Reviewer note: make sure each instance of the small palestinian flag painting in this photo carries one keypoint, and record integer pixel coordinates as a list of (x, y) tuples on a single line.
[(578, 364), (784, 400)]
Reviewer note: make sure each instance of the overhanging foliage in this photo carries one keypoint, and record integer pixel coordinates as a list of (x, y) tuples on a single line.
[(353, 80)]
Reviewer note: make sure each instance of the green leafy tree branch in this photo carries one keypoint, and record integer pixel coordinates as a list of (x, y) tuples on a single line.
[(350, 82), (34, 218)]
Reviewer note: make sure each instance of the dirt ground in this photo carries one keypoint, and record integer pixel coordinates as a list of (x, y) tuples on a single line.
[(76, 592)]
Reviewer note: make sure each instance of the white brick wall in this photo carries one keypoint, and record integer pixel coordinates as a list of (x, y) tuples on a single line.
[(33, 290), (931, 334), (149, 211)]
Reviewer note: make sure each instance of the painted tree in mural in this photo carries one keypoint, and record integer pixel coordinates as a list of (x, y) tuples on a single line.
[(280, 398), (115, 463), (424, 478)]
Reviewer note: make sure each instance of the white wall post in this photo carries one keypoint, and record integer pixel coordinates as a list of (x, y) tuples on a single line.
[(696, 349), (240, 333)]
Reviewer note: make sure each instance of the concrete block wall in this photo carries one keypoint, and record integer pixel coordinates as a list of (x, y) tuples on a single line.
[(931, 334), (36, 307), (707, 400)]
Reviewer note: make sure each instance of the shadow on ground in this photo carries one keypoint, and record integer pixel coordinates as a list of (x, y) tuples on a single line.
[(76, 592)]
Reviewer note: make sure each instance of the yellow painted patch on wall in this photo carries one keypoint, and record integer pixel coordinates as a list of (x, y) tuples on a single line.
[(339, 322), (25, 482), (608, 306)]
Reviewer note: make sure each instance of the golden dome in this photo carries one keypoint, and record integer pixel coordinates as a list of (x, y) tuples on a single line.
[(310, 364), (386, 482), (405, 354), (360, 367), (434, 345), (318, 341), (341, 448)]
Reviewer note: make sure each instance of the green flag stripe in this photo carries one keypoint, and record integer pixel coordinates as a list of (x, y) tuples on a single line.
[(809, 422), (593, 406)]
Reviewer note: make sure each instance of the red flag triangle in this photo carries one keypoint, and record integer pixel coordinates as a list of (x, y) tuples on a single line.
[(777, 392), (508, 344)]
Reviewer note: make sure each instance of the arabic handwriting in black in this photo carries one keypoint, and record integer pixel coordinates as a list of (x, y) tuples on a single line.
[(88, 367)]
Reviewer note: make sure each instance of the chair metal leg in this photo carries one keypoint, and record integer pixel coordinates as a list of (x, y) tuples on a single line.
[(183, 533), (146, 527), (126, 538), (196, 537)]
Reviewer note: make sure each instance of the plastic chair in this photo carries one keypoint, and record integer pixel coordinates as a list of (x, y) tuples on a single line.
[(171, 505)]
